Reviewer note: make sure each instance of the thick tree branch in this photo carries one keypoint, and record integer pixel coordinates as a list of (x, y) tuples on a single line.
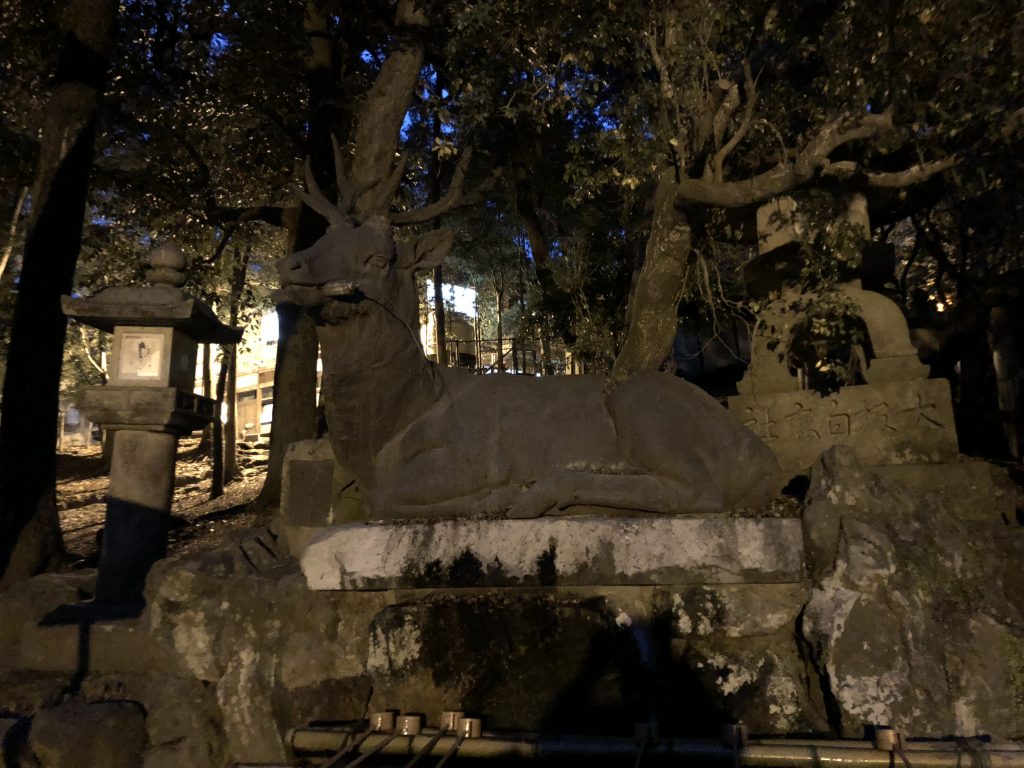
[(836, 134), (735, 194), (812, 159)]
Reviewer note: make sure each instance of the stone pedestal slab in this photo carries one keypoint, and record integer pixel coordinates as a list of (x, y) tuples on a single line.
[(316, 493), (556, 551), (904, 422)]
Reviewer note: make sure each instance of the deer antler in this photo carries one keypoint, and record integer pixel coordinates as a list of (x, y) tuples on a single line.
[(318, 201), (347, 191), (453, 198)]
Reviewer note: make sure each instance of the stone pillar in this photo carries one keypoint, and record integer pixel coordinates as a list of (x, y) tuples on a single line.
[(138, 510), (148, 402)]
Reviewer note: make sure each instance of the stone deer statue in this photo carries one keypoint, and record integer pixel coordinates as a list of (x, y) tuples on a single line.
[(425, 442)]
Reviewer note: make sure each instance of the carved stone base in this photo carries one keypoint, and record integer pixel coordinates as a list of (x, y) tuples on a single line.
[(905, 422)]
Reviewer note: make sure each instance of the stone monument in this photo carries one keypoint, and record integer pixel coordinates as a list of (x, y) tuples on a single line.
[(425, 442), (148, 403), (897, 416)]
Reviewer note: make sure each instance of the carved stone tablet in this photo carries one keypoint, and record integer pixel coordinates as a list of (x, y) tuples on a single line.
[(906, 422)]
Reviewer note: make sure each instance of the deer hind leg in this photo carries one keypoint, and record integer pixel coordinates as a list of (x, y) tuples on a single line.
[(641, 493)]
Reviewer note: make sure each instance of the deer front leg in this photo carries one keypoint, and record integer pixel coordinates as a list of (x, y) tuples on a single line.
[(643, 493)]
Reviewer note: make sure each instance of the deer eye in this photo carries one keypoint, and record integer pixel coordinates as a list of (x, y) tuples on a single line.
[(377, 261)]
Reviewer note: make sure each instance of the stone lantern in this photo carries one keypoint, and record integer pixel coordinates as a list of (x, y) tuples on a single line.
[(148, 403)]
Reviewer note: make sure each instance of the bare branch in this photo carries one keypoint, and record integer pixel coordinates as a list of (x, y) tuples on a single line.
[(346, 190), (787, 175), (915, 174), (783, 149), (741, 132), (1013, 123), (842, 169), (225, 238), (664, 81), (667, 89), (729, 105)]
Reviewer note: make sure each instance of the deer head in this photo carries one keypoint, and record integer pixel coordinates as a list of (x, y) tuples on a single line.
[(357, 262)]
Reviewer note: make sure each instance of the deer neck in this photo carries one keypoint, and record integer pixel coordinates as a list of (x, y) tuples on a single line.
[(376, 382)]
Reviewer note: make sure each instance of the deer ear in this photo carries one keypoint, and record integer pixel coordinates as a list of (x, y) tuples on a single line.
[(426, 251)]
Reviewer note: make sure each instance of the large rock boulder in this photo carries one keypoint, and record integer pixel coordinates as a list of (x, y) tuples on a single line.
[(735, 652), (915, 619), (274, 654), (110, 734), (519, 661)]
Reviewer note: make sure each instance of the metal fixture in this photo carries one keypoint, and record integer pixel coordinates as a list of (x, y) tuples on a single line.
[(755, 753)]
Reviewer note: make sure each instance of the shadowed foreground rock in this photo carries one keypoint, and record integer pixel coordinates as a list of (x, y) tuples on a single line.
[(906, 610), (916, 617)]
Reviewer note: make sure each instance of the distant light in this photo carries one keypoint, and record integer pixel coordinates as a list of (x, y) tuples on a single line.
[(269, 330), (940, 307), (462, 299)]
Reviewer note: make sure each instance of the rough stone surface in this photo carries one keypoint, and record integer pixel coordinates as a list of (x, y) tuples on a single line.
[(182, 716), (736, 643), (266, 646), (556, 551), (761, 680), (25, 691), (908, 422), (745, 610), (100, 647), (970, 489), (916, 615), (782, 221), (903, 605), (109, 734), (541, 662)]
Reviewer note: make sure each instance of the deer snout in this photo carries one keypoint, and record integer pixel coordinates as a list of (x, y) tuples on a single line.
[(292, 270)]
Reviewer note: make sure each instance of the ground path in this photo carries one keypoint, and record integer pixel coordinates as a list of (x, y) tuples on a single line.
[(197, 523)]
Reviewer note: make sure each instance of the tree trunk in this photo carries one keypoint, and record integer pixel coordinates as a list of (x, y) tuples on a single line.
[(294, 395), (206, 438), (440, 332), (217, 475), (295, 411), (652, 315), (553, 298), (501, 339), (5, 256), (1006, 365), (239, 272), (30, 539), (231, 472), (547, 363)]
